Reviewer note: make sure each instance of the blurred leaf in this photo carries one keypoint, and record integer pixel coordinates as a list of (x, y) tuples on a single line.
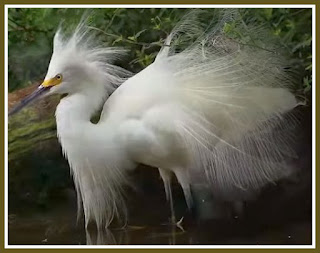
[(141, 31)]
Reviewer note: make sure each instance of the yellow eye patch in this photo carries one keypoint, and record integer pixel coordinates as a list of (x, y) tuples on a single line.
[(52, 81)]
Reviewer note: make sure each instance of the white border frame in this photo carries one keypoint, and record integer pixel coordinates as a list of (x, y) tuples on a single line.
[(312, 6)]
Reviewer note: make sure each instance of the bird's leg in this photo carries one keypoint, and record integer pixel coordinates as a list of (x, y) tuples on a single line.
[(166, 177), (183, 180)]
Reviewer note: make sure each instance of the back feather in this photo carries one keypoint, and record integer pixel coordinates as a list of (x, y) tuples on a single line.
[(236, 93)]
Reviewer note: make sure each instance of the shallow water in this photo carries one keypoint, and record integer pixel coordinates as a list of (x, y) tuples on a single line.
[(59, 230), (58, 225)]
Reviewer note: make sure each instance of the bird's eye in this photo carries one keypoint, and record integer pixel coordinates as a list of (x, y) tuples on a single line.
[(59, 77)]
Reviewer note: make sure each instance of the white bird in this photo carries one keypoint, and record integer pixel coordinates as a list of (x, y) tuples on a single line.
[(212, 114)]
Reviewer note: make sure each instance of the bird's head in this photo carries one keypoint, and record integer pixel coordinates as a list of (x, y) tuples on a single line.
[(79, 63)]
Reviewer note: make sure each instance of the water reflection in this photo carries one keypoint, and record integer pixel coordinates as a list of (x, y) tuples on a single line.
[(166, 234), (99, 237), (63, 231)]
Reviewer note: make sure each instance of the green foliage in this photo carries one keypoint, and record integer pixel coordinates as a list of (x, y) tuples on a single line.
[(294, 28), (31, 32), (141, 31)]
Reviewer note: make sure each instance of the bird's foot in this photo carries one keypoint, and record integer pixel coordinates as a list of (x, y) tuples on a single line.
[(179, 224), (172, 222)]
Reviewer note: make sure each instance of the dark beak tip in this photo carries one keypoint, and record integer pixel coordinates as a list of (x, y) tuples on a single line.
[(29, 99)]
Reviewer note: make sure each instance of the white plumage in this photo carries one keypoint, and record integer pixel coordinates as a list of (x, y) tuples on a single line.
[(212, 114)]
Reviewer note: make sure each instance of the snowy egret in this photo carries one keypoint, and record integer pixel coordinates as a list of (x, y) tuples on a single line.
[(210, 114)]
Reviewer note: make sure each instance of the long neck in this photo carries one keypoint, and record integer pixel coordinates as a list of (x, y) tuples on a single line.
[(98, 162), (79, 107)]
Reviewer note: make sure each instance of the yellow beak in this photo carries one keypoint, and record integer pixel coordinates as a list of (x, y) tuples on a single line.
[(51, 82)]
